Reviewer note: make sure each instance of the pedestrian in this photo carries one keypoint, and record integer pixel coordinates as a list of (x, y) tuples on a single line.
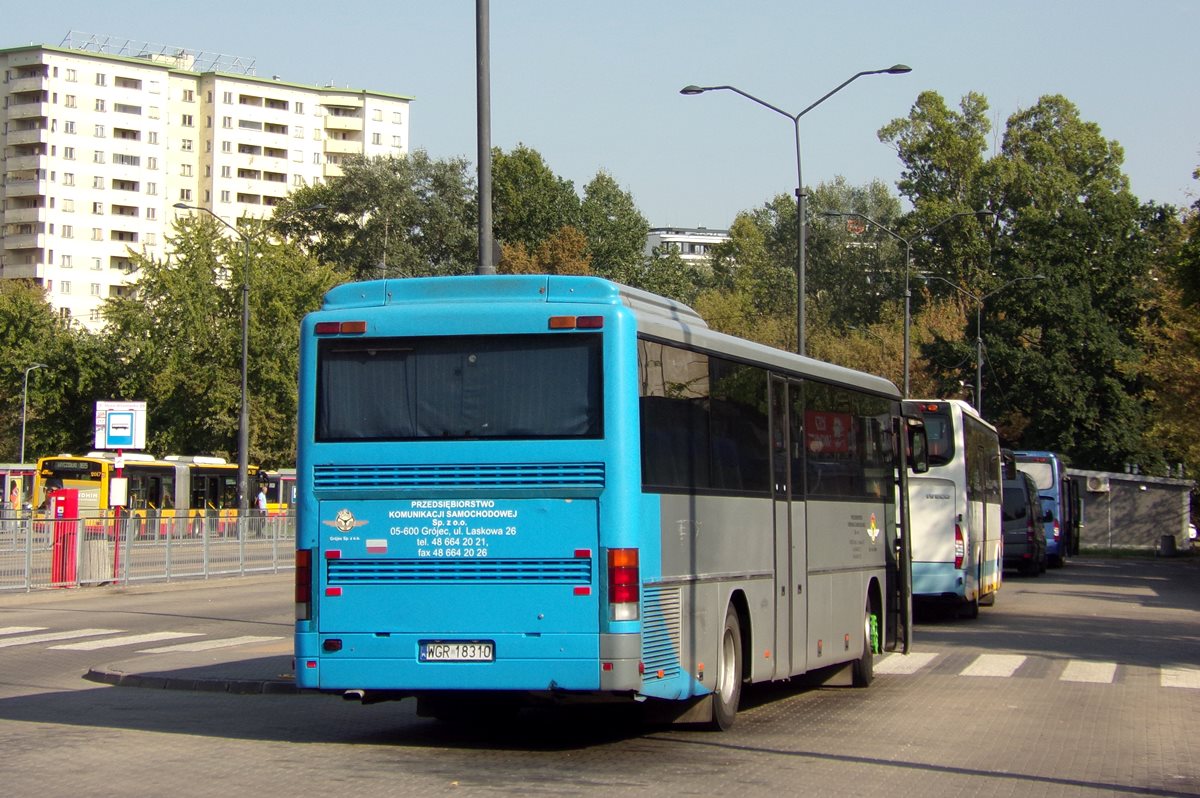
[(260, 511)]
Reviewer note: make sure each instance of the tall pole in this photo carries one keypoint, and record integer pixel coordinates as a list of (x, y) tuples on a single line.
[(801, 207), (25, 404), (484, 113), (907, 311), (979, 356), (244, 417)]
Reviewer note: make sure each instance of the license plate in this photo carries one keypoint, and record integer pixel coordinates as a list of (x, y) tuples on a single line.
[(458, 651)]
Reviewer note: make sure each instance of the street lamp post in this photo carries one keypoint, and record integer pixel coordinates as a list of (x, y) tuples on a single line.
[(908, 270), (25, 404), (897, 69), (244, 413), (979, 299)]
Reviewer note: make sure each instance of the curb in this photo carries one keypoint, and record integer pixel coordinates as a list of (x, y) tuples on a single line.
[(152, 681)]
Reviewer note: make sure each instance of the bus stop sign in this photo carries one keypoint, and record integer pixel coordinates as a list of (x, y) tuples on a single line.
[(120, 425)]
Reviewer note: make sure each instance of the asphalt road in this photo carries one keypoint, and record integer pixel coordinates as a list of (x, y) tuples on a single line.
[(1082, 682)]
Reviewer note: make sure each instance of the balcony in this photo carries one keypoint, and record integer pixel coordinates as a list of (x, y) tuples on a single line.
[(22, 215), (31, 83), (343, 146), (38, 135), (26, 269), (22, 188), (19, 163), (332, 170), (24, 241), (27, 110), (343, 123)]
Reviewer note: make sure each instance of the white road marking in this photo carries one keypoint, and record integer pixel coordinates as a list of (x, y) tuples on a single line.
[(20, 630), (1003, 665), (128, 640), (50, 637), (1181, 677), (904, 663), (208, 645), (1092, 672)]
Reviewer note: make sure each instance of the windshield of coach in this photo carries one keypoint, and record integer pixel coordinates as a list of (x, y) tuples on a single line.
[(459, 387)]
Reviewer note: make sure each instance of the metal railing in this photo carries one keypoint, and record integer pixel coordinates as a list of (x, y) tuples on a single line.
[(105, 550)]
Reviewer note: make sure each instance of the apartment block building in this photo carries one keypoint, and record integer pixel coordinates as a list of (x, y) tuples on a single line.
[(96, 149), (694, 244)]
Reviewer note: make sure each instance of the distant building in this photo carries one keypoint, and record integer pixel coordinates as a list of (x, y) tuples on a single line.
[(694, 244), (98, 142), (1132, 510)]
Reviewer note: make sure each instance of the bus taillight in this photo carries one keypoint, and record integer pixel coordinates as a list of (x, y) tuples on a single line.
[(303, 584), (624, 579), (1057, 530), (960, 547)]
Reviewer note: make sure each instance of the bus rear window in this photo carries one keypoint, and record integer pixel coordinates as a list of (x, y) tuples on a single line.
[(459, 387), (1042, 473)]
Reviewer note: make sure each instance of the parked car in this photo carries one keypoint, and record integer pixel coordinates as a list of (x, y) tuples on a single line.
[(1021, 520)]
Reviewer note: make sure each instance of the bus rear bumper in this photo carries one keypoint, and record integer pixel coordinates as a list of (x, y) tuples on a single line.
[(548, 662), (938, 580)]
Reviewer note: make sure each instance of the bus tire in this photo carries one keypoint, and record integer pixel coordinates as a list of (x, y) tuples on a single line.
[(727, 692), (863, 670)]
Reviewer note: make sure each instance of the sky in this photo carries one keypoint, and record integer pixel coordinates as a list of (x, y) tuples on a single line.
[(595, 86)]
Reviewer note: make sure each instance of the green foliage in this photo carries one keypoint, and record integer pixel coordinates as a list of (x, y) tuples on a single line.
[(31, 333), (175, 342), (615, 229), (529, 202), (407, 216)]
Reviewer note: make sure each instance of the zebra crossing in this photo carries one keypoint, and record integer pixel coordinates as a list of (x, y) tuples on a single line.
[(1005, 666), (100, 639)]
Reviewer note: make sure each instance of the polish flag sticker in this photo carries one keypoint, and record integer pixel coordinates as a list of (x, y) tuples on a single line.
[(377, 546)]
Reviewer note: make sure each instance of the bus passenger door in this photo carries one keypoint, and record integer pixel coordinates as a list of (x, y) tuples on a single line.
[(791, 617)]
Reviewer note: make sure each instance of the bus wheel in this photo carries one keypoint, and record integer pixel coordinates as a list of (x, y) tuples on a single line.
[(864, 667), (728, 691)]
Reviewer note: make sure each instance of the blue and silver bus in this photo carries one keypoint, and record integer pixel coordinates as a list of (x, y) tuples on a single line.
[(957, 540), (1060, 503), (515, 488)]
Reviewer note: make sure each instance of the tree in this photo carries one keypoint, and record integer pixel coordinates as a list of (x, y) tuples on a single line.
[(406, 216), (565, 252), (30, 332), (1061, 354), (176, 340), (529, 202), (1172, 337), (615, 229)]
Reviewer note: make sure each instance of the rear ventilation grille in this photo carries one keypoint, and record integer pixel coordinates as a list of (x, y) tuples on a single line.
[(661, 632), (573, 571), (539, 475)]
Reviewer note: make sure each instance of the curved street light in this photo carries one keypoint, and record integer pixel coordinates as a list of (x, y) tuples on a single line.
[(907, 268), (244, 415), (25, 404), (979, 300), (896, 69)]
